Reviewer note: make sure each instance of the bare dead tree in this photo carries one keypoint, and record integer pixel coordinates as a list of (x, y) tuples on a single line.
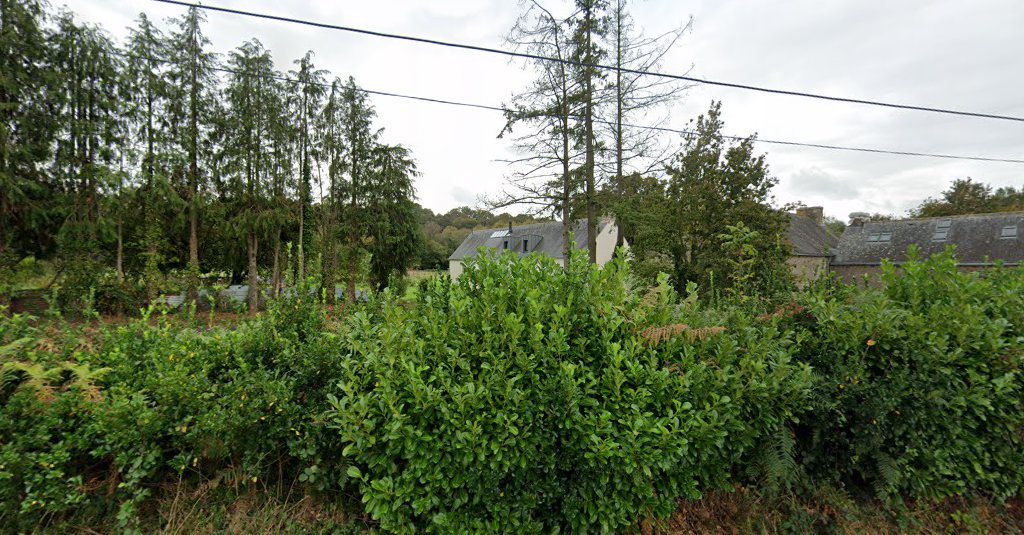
[(546, 178), (630, 95)]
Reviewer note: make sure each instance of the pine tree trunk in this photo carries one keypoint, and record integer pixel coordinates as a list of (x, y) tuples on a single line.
[(303, 189), (619, 96), (329, 259), (275, 277), (193, 178), (193, 252), (353, 235), (302, 234), (567, 231), (353, 268), (254, 293), (589, 132), (120, 252), (152, 226), (330, 266)]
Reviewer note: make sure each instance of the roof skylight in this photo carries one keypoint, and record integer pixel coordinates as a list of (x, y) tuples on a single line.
[(942, 230), (880, 237)]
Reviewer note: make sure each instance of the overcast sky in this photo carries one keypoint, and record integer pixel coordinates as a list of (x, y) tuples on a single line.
[(955, 54)]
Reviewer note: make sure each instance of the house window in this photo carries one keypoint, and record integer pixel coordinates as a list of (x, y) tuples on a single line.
[(873, 237), (506, 245), (942, 230), (526, 245), (1009, 231), (885, 236)]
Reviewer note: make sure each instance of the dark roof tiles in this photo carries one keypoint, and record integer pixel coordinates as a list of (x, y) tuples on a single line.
[(977, 239), (808, 238), (544, 238)]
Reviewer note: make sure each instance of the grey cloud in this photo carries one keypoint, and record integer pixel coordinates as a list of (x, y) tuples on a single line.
[(464, 196), (818, 183)]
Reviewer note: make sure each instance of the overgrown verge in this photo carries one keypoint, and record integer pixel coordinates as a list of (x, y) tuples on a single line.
[(92, 425), (527, 398)]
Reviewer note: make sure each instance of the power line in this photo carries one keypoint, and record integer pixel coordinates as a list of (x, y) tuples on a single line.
[(840, 147), (324, 85), (525, 55), (688, 133)]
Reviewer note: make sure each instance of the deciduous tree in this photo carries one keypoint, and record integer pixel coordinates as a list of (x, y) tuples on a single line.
[(713, 183)]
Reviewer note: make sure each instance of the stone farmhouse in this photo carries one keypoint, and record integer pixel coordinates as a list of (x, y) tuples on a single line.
[(981, 240), (811, 245)]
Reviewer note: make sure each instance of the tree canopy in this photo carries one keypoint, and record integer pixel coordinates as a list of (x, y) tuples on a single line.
[(966, 196), (681, 224), (140, 167)]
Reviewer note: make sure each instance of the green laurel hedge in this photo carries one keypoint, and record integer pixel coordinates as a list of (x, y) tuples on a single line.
[(524, 398)]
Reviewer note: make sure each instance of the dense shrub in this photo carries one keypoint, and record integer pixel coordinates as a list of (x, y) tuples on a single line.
[(748, 365), (96, 421), (919, 389), (524, 398)]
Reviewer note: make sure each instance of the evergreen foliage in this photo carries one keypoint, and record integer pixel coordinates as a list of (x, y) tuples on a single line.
[(122, 165), (919, 386), (680, 225), (523, 398)]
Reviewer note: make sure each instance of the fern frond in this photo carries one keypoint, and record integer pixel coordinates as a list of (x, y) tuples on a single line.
[(776, 465), (888, 474), (38, 378), (657, 334), (10, 348), (85, 377)]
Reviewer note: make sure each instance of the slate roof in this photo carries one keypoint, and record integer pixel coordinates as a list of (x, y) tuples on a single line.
[(978, 239), (808, 238), (544, 238)]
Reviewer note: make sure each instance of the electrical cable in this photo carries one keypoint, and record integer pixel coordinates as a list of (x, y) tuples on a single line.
[(538, 57), (688, 133)]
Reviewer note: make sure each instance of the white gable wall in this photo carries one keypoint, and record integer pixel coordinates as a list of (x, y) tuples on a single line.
[(606, 244), (454, 268)]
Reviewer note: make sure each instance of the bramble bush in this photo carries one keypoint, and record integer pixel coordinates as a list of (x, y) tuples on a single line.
[(919, 390), (525, 398)]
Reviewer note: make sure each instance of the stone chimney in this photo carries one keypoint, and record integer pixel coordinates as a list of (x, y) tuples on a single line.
[(815, 213), (857, 219)]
